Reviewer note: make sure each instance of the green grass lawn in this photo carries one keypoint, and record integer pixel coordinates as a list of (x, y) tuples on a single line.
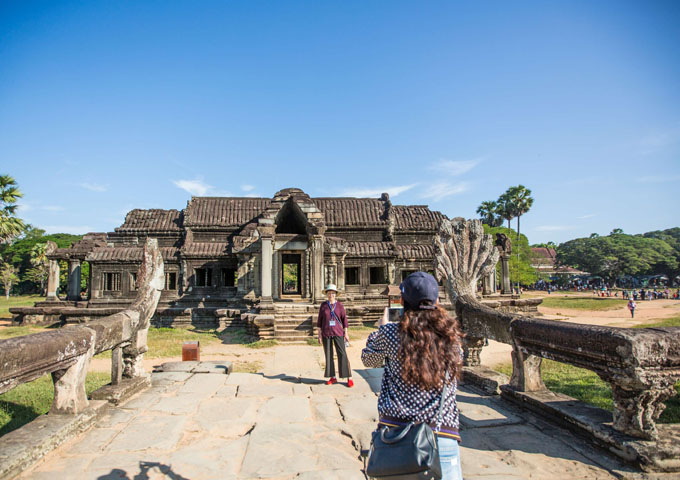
[(17, 301), (21, 405), (662, 322), (587, 387), (581, 303)]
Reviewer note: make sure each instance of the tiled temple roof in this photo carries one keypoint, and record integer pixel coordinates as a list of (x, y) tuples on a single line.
[(235, 212), (417, 217), (370, 249), (223, 211), (155, 220), (416, 251), (351, 212), (127, 254), (206, 249)]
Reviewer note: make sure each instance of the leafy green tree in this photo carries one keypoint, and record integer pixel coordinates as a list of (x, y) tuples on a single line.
[(19, 254), (488, 211), (8, 276), (40, 264), (618, 254), (521, 270), (10, 225)]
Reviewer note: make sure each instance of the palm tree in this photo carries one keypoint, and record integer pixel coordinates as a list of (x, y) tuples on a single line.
[(10, 225), (505, 207), (521, 199), (488, 211)]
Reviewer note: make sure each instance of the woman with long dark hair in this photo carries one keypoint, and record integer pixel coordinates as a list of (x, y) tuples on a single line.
[(421, 353)]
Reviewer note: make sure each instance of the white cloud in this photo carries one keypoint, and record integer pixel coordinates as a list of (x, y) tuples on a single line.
[(72, 229), (658, 179), (195, 187), (23, 207), (53, 208), (376, 192), (588, 215), (659, 140), (441, 190), (95, 187), (247, 188), (553, 228), (455, 167)]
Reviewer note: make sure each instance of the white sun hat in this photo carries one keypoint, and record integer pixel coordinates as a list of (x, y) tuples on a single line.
[(330, 286)]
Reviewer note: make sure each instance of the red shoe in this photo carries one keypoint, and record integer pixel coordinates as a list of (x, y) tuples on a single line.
[(350, 383), (331, 381)]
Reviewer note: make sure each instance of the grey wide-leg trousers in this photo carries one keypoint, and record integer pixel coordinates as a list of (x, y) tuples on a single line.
[(343, 361)]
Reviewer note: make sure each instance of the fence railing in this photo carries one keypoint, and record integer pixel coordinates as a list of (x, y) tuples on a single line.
[(641, 365), (65, 353)]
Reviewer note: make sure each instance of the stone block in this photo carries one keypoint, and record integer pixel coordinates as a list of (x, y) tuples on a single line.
[(23, 447), (363, 409), (116, 394), (181, 404), (161, 432), (265, 390), (285, 410)]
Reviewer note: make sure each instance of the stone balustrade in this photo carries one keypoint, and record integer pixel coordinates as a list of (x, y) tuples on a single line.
[(66, 353), (641, 365)]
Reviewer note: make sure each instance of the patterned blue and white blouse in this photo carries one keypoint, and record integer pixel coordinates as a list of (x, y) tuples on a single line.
[(400, 402)]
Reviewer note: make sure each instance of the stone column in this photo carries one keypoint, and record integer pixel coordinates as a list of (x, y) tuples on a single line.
[(505, 271), (242, 284), (341, 273), (53, 281), (317, 268), (266, 269), (73, 288), (486, 285), (276, 274)]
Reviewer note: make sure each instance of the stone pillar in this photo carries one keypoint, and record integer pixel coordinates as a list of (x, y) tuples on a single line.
[(53, 281), (341, 274), (266, 268), (317, 268), (276, 274), (505, 271), (486, 285), (73, 288), (526, 371), (242, 284)]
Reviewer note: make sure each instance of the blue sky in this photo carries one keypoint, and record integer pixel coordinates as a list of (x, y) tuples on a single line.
[(110, 106)]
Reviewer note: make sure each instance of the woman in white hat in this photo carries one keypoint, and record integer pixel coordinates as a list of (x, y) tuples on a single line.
[(332, 327)]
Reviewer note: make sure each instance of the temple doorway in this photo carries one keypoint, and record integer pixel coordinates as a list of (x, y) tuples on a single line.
[(291, 279)]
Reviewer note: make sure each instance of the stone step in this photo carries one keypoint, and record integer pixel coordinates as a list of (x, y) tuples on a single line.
[(293, 333), (293, 339)]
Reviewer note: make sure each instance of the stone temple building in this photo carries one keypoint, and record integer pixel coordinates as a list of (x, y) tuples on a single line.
[(257, 263)]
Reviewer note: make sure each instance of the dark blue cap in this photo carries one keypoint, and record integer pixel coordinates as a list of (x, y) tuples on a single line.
[(419, 291)]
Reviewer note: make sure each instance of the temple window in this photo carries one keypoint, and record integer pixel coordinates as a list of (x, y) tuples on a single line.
[(111, 281), (171, 281), (229, 277), (377, 275), (406, 273), (352, 276), (133, 281), (203, 277)]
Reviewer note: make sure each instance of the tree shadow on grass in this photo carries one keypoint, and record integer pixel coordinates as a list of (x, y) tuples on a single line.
[(20, 415)]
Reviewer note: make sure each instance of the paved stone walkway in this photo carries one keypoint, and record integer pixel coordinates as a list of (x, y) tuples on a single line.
[(285, 423)]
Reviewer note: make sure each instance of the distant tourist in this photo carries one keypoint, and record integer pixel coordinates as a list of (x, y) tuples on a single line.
[(631, 307), (421, 353), (332, 325)]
